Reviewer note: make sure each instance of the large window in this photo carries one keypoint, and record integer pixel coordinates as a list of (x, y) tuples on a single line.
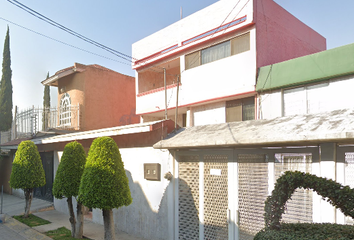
[(65, 110), (306, 100), (222, 50), (240, 110)]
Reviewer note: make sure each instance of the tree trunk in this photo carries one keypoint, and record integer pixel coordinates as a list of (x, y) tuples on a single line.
[(28, 197), (79, 231), (109, 233), (72, 215)]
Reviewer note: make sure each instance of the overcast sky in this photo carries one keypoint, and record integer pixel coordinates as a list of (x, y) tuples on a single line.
[(118, 24)]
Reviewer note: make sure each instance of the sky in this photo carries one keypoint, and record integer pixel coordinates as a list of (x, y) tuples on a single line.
[(38, 48)]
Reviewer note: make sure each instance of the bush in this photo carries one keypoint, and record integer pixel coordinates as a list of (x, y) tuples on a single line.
[(27, 169), (104, 183), (339, 196), (308, 231), (68, 177)]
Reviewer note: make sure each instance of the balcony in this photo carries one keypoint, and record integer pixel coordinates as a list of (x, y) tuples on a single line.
[(31, 121)]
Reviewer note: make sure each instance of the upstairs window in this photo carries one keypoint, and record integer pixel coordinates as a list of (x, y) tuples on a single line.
[(65, 110), (219, 51), (240, 110)]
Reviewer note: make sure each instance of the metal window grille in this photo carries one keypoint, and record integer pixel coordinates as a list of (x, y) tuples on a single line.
[(299, 207), (188, 198), (349, 177), (252, 192), (215, 197)]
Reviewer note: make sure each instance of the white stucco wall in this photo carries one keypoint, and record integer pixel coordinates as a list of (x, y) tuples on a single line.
[(209, 114), (197, 23), (147, 216)]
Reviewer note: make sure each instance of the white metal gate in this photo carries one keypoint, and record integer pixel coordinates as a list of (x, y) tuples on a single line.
[(299, 207), (252, 192), (349, 177), (203, 196)]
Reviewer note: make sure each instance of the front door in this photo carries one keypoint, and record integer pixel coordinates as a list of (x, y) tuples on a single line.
[(45, 192)]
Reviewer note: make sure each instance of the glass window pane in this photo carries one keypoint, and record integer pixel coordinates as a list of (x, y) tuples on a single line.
[(240, 44), (216, 52), (248, 109), (192, 60)]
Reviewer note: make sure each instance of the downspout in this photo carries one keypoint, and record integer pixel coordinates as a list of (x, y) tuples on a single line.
[(176, 114), (164, 82)]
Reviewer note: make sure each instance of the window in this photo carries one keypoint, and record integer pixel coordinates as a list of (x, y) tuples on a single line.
[(306, 100), (65, 110), (222, 50), (240, 110)]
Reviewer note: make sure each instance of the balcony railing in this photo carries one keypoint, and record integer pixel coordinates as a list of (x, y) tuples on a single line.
[(31, 121)]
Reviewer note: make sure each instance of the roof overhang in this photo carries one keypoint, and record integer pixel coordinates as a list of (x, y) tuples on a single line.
[(53, 80), (300, 130), (134, 135)]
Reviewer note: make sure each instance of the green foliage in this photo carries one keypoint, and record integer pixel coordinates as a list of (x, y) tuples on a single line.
[(27, 169), (46, 106), (308, 231), (104, 183), (68, 177), (341, 197), (6, 87)]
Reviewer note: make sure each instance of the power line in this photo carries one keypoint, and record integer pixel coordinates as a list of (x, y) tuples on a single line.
[(67, 44), (86, 39), (55, 24)]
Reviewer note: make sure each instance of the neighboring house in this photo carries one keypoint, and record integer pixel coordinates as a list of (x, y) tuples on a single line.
[(311, 84), (93, 97), (210, 60), (224, 172)]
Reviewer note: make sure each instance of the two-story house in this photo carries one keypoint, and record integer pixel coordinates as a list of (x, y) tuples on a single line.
[(86, 99), (206, 63)]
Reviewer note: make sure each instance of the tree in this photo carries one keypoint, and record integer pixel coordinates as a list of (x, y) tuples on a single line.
[(67, 182), (46, 106), (104, 183), (6, 87), (27, 171)]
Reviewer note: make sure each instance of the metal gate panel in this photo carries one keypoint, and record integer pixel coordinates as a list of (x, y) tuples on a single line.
[(252, 192), (349, 177), (215, 197), (300, 207), (188, 197)]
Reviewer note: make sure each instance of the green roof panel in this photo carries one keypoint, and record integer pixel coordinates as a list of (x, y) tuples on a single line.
[(307, 69)]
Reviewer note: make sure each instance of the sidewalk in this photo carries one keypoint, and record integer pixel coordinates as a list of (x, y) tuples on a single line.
[(13, 229)]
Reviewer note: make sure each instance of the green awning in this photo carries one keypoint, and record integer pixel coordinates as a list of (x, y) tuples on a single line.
[(308, 69)]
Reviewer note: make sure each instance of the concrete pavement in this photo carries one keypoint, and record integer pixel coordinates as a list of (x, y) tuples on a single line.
[(13, 229)]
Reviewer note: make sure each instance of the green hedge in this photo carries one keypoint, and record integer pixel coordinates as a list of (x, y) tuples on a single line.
[(308, 231), (342, 197), (104, 183), (70, 169), (27, 169)]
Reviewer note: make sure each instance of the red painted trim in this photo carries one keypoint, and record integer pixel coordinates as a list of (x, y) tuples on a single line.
[(204, 101), (158, 89), (156, 54), (183, 48), (211, 31)]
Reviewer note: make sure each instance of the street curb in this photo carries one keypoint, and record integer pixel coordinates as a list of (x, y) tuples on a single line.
[(23, 230)]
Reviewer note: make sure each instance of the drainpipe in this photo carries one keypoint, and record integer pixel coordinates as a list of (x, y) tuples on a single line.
[(176, 114), (164, 82)]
